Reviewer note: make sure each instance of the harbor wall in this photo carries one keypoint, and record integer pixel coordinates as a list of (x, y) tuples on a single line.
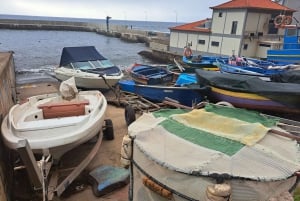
[(7, 99), (122, 31), (158, 42)]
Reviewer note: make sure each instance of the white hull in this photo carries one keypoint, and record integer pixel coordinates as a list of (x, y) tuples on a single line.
[(87, 80), (56, 135)]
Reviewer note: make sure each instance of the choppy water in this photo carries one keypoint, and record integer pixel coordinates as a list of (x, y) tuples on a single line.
[(40, 51)]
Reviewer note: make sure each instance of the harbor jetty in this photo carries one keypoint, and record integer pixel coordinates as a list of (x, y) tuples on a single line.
[(158, 42)]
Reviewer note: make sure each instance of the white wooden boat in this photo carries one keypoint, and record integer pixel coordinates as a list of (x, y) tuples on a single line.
[(53, 123), (89, 68)]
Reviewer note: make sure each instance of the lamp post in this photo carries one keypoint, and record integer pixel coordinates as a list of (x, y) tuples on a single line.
[(107, 23)]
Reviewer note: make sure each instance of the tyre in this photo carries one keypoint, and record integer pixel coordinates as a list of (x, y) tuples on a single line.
[(129, 115), (108, 132), (224, 103)]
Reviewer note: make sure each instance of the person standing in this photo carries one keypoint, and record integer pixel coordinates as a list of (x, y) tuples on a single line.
[(188, 52)]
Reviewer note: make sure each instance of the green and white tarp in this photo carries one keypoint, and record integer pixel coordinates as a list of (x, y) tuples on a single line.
[(186, 151)]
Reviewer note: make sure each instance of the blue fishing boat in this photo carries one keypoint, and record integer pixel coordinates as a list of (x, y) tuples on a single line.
[(251, 92), (248, 66), (204, 62), (150, 74), (186, 92)]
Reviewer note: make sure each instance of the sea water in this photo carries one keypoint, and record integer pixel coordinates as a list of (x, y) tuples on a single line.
[(38, 52)]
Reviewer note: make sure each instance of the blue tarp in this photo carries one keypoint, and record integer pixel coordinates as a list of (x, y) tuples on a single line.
[(78, 54), (184, 79)]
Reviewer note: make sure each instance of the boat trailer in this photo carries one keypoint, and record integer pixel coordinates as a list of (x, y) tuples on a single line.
[(39, 171)]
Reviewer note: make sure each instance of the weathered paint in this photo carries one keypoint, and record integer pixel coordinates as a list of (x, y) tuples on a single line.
[(7, 99)]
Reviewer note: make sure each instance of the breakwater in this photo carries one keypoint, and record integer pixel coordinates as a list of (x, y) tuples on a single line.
[(158, 42), (122, 31)]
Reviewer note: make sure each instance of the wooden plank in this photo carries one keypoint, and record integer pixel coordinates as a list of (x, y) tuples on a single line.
[(171, 103), (28, 159)]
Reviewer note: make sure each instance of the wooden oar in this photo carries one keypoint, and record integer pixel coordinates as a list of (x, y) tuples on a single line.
[(179, 65), (285, 134)]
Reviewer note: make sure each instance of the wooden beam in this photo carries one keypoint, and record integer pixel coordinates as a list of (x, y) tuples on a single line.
[(29, 161)]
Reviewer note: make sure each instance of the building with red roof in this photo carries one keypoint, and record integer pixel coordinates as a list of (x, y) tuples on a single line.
[(241, 27)]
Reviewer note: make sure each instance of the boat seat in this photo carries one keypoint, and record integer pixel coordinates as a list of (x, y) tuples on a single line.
[(63, 109), (157, 75)]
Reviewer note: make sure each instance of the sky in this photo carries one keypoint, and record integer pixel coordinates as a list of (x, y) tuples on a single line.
[(142, 10)]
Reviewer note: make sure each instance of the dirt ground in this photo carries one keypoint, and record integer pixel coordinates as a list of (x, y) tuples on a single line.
[(108, 154)]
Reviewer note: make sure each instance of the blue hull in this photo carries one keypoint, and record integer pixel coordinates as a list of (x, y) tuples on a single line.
[(249, 70), (184, 95)]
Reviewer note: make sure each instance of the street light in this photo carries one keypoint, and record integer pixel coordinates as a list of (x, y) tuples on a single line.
[(175, 15), (107, 23)]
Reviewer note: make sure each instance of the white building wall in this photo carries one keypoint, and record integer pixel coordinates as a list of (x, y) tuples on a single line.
[(257, 22), (223, 25), (203, 47), (251, 47), (229, 45), (174, 39), (215, 49), (193, 40), (178, 39), (218, 23), (253, 23)]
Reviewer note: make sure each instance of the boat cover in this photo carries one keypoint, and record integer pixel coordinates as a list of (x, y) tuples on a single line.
[(245, 83), (78, 54), (292, 76), (287, 94), (176, 147), (222, 140)]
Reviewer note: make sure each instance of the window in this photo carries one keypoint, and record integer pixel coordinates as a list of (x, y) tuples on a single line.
[(291, 32), (234, 27), (215, 43), (245, 46), (220, 14), (264, 45), (271, 27), (202, 42)]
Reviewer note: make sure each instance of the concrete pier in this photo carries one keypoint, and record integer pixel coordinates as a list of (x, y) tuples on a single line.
[(121, 31), (158, 42)]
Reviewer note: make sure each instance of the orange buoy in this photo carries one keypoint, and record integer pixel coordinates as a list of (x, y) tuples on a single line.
[(278, 20), (287, 20)]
